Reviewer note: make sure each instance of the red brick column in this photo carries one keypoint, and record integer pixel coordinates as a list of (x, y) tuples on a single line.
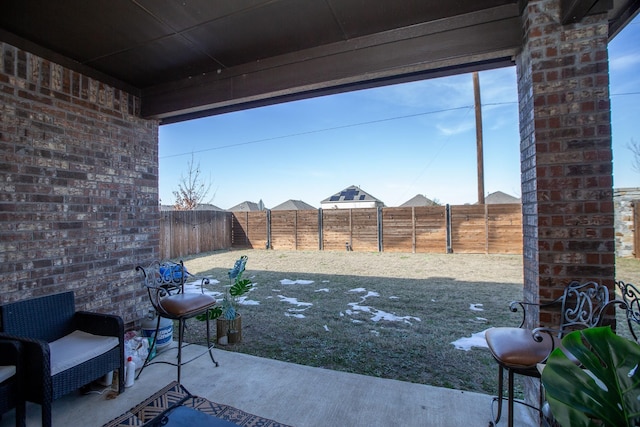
[(565, 131)]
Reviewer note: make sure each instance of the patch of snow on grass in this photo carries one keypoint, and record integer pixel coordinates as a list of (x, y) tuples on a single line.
[(383, 315), (196, 288), (377, 314), (296, 315), (376, 333), (295, 282), (476, 307), (322, 290), (394, 297), (294, 301), (475, 340), (326, 328)]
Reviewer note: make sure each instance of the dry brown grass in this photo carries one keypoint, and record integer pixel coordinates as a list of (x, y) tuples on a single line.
[(439, 290)]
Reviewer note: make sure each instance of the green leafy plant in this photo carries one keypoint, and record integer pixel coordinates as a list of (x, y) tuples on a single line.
[(231, 300), (603, 389), (228, 309)]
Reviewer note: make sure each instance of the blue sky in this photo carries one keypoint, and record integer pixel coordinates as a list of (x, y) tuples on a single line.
[(394, 142)]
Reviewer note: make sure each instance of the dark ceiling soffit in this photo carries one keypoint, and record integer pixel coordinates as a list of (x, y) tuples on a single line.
[(66, 62), (623, 17), (333, 90), (444, 44), (573, 11)]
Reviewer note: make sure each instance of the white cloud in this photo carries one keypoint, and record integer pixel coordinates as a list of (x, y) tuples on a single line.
[(455, 128), (625, 62)]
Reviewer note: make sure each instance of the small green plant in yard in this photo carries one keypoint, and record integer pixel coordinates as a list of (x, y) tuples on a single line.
[(231, 300)]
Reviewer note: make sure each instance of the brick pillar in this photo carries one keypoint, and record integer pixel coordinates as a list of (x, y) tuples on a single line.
[(565, 132)]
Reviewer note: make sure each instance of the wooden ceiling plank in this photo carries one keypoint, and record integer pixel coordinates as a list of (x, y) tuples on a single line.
[(498, 14), (406, 56)]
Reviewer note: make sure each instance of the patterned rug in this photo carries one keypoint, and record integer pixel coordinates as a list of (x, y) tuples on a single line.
[(175, 394)]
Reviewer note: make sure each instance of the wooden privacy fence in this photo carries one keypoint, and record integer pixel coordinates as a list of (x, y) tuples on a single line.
[(438, 229), (192, 232)]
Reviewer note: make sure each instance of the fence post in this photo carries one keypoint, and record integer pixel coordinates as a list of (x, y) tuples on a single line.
[(486, 228), (268, 228), (320, 234), (380, 235), (351, 228), (448, 222), (414, 239), (295, 231)]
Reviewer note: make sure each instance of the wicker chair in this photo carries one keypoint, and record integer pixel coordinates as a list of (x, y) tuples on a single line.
[(63, 349), (165, 282), (11, 372), (520, 350)]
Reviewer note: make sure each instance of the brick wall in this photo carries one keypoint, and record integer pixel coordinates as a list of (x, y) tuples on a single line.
[(78, 187), (565, 129)]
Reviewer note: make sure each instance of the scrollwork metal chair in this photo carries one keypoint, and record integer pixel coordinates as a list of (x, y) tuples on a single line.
[(520, 350), (165, 286), (630, 295)]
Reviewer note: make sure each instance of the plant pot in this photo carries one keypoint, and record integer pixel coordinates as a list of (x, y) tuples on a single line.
[(232, 329)]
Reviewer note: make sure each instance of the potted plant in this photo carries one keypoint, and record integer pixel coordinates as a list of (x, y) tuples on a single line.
[(227, 315), (603, 389)]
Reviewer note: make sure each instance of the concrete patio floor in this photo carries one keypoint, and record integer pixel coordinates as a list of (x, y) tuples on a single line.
[(297, 395)]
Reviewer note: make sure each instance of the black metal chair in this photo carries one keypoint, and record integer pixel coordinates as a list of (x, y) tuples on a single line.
[(63, 349), (165, 285), (11, 380), (520, 350), (631, 303)]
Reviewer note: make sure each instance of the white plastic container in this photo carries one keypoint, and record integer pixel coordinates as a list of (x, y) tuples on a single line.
[(165, 333), (130, 372), (107, 379)]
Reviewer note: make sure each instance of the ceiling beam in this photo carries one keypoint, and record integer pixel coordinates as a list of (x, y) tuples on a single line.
[(573, 11), (481, 37)]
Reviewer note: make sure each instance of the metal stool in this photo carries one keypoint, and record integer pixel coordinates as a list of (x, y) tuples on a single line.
[(165, 286)]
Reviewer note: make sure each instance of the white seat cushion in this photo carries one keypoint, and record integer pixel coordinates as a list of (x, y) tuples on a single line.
[(76, 348), (7, 372)]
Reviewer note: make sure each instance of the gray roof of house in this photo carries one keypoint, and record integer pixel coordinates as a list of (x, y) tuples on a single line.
[(293, 205), (499, 197), (202, 207), (244, 207), (351, 194), (418, 200)]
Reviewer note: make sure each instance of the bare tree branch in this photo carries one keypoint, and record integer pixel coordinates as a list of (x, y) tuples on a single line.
[(192, 189), (634, 146)]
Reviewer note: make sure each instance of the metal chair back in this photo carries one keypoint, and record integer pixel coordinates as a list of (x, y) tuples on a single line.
[(631, 303)]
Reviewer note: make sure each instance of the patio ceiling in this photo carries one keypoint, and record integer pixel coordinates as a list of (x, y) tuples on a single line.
[(193, 58)]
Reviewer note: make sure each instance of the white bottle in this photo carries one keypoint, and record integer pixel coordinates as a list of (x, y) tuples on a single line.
[(130, 372)]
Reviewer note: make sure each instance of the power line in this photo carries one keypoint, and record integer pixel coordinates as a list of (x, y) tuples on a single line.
[(388, 119), (625, 94), (257, 141)]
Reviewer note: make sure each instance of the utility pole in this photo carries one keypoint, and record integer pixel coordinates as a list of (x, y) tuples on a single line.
[(478, 105)]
